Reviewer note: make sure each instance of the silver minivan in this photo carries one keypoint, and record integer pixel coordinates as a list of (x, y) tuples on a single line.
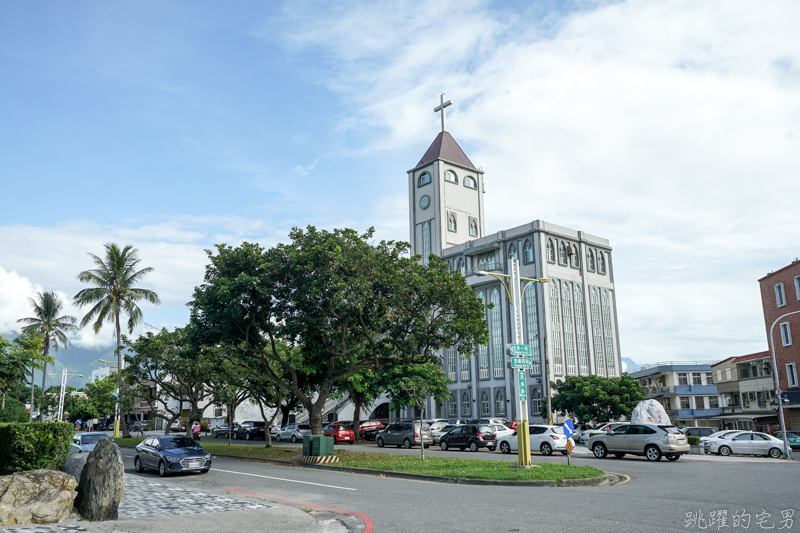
[(405, 434)]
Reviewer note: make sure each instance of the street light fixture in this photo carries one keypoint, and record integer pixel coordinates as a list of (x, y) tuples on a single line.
[(778, 397)]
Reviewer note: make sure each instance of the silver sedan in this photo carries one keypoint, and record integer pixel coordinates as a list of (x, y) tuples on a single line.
[(749, 443), (85, 442)]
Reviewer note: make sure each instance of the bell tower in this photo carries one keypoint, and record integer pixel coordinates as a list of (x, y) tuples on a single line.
[(445, 193)]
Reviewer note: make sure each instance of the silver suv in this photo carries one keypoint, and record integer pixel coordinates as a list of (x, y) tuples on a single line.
[(405, 434), (651, 440)]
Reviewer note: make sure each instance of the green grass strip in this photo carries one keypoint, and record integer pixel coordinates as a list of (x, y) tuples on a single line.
[(432, 466)]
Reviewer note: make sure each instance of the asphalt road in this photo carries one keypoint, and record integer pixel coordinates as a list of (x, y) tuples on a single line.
[(657, 497)]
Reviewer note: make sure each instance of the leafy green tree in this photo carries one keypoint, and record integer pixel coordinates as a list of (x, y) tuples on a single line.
[(51, 324), (13, 367), (100, 396), (348, 304), (363, 388), (30, 349), (595, 398), (114, 292)]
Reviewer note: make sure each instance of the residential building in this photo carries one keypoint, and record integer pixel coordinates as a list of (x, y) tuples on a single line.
[(685, 389), (570, 322), (747, 386), (780, 300)]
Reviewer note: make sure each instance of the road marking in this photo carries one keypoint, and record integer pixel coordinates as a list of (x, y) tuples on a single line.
[(627, 478), (367, 520), (283, 479)]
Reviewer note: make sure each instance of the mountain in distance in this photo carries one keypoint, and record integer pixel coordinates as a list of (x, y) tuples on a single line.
[(630, 365)]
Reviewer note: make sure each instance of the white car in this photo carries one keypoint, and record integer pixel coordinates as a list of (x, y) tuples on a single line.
[(749, 443), (85, 442), (728, 433), (502, 431), (543, 438)]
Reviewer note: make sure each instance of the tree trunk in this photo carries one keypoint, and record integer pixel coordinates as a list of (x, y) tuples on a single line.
[(4, 400), (46, 351), (124, 422), (285, 411), (421, 432), (267, 434), (231, 409), (357, 401)]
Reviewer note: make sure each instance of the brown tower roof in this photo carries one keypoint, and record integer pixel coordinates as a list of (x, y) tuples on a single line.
[(445, 147)]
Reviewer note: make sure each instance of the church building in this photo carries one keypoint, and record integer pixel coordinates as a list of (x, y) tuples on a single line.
[(570, 322)]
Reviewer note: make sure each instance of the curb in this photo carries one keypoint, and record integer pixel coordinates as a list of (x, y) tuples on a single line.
[(586, 482)]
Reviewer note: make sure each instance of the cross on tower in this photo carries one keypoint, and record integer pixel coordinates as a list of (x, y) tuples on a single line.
[(441, 107)]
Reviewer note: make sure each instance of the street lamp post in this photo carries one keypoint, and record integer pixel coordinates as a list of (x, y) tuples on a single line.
[(778, 398), (116, 405), (515, 296), (64, 378)]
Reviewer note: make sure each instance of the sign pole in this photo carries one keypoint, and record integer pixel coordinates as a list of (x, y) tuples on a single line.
[(523, 436)]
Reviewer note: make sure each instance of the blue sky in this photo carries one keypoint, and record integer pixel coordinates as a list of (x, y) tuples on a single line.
[(670, 128)]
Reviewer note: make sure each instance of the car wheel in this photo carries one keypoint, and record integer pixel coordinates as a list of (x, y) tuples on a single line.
[(619, 455), (247, 436), (294, 438), (673, 457), (462, 448), (205, 471), (546, 449), (277, 437), (162, 469), (443, 445), (563, 452), (724, 450), (235, 437), (600, 451), (406, 444), (775, 453), (491, 448), (137, 465), (653, 453), (426, 446), (473, 446), (505, 447)]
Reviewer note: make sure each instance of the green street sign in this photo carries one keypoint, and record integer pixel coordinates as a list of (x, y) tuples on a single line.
[(522, 362), (523, 390), (520, 350)]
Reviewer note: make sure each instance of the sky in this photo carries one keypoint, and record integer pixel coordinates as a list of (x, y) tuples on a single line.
[(671, 128)]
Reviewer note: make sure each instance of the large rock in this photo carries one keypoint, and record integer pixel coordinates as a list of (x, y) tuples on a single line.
[(36, 497), (75, 464), (102, 483), (650, 412)]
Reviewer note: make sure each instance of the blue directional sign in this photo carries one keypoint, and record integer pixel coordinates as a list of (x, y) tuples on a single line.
[(569, 428), (79, 421)]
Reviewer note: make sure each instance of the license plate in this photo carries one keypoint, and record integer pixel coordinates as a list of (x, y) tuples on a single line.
[(194, 464), (347, 438)]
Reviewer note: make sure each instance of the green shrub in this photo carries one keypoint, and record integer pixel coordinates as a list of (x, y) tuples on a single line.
[(14, 412), (25, 446), (694, 440)]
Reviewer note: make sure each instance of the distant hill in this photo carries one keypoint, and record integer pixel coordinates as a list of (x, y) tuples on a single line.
[(630, 365)]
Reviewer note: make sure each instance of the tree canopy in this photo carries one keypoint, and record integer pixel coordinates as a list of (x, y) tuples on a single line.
[(595, 398)]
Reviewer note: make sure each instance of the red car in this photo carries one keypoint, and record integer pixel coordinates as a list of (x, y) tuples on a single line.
[(511, 424), (340, 432), (369, 428)]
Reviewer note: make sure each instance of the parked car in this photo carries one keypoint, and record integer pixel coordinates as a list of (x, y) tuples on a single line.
[(170, 454), (605, 428), (293, 432), (511, 424), (651, 440), (224, 430), (177, 426), (706, 441), (458, 421), (698, 432), (104, 424), (405, 434), (492, 421), (501, 430), (792, 436), (472, 436), (85, 442), (749, 443), (369, 428), (543, 438), (579, 429), (340, 432), (138, 425), (438, 424), (250, 430), (436, 434)]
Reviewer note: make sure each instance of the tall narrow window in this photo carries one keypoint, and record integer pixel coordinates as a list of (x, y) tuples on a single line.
[(461, 268), (451, 363), (555, 326), (551, 251), (791, 374), (473, 227), (426, 242), (780, 295), (469, 181), (483, 349), (786, 334), (484, 404), (450, 176), (601, 263), (486, 261), (580, 329), (464, 367), (607, 333), (797, 286), (452, 407), (451, 222), (590, 260), (536, 403), (573, 256), (497, 335), (499, 404), (424, 179), (569, 330), (532, 323), (528, 253), (512, 252), (465, 406), (597, 334), (562, 253)]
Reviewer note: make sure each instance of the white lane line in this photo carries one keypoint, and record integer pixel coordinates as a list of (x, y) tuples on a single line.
[(282, 479)]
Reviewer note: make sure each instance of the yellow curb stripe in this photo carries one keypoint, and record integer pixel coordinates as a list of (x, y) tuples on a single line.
[(627, 477)]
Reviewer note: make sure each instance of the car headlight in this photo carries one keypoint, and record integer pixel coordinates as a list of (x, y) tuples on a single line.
[(207, 456), (173, 459)]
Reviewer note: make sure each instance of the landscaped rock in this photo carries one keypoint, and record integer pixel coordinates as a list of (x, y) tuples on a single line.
[(74, 465), (102, 483), (36, 497)]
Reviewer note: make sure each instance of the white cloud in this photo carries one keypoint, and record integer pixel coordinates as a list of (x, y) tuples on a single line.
[(671, 128)]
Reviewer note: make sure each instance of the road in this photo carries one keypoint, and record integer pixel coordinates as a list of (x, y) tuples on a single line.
[(656, 497)]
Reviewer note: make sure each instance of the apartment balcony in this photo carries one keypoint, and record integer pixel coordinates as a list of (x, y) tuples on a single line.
[(658, 390), (731, 410), (709, 390), (693, 413)]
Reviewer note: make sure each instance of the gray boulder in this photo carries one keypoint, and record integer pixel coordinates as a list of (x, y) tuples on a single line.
[(36, 497), (102, 483), (74, 465)]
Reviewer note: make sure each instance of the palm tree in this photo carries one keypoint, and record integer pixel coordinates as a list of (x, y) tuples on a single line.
[(51, 324), (114, 292)]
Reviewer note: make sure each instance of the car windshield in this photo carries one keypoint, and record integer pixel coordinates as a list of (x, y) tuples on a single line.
[(558, 430), (178, 442), (486, 429), (671, 429), (91, 439), (345, 427), (499, 428)]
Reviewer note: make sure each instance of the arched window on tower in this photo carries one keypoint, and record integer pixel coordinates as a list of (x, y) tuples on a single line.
[(562, 253), (450, 176), (473, 227), (465, 407), (499, 404), (451, 222), (601, 263), (574, 260), (461, 268), (424, 179), (426, 242), (512, 252), (484, 404), (590, 260), (469, 181), (527, 251), (551, 251)]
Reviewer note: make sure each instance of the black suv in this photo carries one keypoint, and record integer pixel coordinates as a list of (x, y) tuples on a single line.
[(250, 430), (472, 436)]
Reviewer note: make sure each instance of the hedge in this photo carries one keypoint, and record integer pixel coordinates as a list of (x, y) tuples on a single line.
[(25, 446), (693, 440)]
